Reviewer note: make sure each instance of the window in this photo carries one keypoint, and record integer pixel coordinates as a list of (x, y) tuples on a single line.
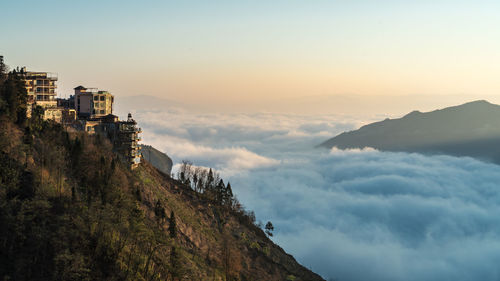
[(102, 111), (102, 98), (96, 98)]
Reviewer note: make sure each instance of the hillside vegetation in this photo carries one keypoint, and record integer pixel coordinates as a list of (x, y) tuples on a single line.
[(70, 210)]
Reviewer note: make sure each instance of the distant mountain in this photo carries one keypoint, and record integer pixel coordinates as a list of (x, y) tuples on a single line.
[(126, 104), (158, 159), (471, 129)]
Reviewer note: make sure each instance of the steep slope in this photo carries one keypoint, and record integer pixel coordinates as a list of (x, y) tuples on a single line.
[(70, 210), (219, 241), (471, 129), (158, 159)]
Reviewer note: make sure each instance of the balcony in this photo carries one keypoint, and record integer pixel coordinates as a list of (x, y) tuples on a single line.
[(45, 86), (129, 130)]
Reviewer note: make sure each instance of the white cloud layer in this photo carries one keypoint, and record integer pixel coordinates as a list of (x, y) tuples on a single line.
[(235, 143), (368, 215), (348, 215)]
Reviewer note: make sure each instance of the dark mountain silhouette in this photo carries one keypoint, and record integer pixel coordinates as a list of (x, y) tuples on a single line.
[(471, 129)]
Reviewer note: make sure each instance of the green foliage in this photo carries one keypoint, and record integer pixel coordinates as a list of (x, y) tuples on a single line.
[(36, 121), (176, 269), (254, 245), (208, 184), (269, 228), (160, 212), (266, 250), (70, 213), (13, 96)]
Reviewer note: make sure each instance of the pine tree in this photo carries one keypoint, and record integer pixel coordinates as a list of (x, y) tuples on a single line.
[(201, 189), (13, 97), (195, 182), (159, 212), (182, 177), (210, 180), (269, 228), (228, 195), (219, 192), (3, 70), (172, 227), (175, 264)]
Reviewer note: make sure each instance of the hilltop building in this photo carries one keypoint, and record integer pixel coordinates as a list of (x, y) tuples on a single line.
[(41, 87), (89, 110), (66, 103), (125, 138), (91, 103), (124, 135)]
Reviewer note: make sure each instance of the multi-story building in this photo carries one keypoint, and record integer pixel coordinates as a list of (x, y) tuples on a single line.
[(66, 103), (91, 103), (124, 135), (126, 141), (41, 88)]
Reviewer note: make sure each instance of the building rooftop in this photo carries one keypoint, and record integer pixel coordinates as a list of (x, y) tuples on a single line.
[(84, 90), (38, 74)]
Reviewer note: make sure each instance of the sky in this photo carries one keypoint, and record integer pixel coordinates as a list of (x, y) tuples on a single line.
[(263, 55)]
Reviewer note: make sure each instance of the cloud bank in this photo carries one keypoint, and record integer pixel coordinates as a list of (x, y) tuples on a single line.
[(233, 143), (368, 215), (348, 215)]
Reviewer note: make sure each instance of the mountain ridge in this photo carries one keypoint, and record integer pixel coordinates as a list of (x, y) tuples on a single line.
[(468, 129)]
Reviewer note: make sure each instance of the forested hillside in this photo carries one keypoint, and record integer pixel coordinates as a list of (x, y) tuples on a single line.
[(70, 210)]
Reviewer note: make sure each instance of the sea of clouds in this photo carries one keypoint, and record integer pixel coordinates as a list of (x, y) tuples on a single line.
[(347, 215)]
